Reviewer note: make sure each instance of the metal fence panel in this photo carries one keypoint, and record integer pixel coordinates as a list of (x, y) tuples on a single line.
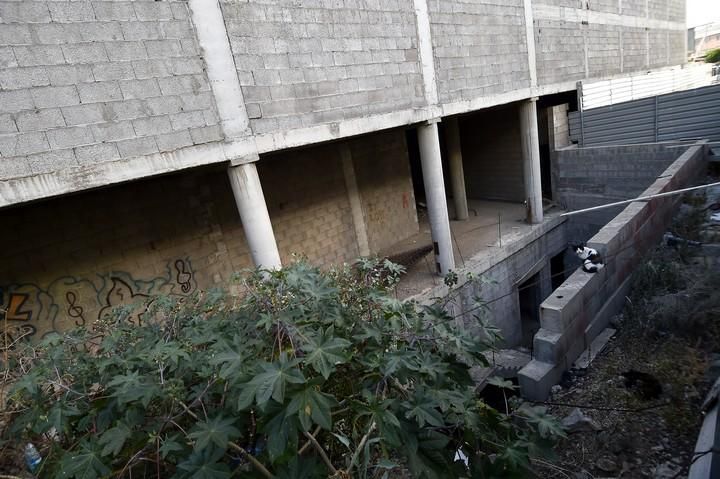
[(689, 114)]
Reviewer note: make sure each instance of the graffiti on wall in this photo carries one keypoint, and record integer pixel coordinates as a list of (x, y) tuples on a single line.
[(34, 311)]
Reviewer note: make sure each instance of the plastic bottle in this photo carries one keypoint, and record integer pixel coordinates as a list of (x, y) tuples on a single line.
[(32, 457)]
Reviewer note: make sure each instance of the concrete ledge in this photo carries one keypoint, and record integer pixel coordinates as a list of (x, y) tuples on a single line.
[(581, 308)]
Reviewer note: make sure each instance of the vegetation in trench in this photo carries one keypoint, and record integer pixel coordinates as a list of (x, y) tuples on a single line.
[(310, 374)]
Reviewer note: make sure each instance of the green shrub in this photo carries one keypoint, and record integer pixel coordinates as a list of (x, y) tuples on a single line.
[(713, 56), (311, 374)]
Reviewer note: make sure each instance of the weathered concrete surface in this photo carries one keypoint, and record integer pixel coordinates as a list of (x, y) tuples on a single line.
[(94, 93), (582, 306)]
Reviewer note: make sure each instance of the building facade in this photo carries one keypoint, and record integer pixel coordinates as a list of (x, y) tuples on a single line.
[(158, 146)]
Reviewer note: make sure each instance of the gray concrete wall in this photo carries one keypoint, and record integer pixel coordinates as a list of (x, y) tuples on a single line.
[(586, 177), (310, 63), (480, 48), (575, 313), (83, 83), (492, 157), (100, 92)]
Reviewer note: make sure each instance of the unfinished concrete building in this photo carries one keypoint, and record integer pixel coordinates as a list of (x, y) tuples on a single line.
[(152, 147)]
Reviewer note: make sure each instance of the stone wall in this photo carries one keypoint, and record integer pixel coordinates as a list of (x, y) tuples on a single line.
[(582, 306)]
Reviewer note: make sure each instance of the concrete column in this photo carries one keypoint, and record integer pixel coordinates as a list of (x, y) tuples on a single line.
[(355, 200), (429, 143), (531, 160), (254, 215), (457, 175)]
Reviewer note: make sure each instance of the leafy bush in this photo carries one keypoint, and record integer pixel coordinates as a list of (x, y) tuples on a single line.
[(311, 374), (713, 56)]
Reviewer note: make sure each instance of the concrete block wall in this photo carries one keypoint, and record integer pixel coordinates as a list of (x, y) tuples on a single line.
[(386, 190), (586, 177), (479, 48), (83, 83), (68, 262), (308, 204), (582, 306), (492, 158), (606, 37), (317, 62), (558, 127)]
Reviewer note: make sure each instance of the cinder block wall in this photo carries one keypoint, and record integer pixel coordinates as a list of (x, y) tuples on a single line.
[(68, 261), (576, 312), (95, 81), (307, 63), (578, 39), (382, 169), (492, 157), (586, 177), (480, 47)]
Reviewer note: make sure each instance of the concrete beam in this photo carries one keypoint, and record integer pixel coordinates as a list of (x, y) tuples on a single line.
[(530, 41), (531, 159), (213, 39), (457, 174), (31, 188), (254, 215), (429, 142), (579, 15), (425, 48), (353, 191)]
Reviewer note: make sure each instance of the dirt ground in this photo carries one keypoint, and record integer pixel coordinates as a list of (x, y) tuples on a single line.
[(670, 330)]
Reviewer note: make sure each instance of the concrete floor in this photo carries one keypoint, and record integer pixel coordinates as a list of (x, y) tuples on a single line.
[(471, 238)]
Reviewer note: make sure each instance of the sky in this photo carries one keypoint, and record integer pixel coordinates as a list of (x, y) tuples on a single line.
[(702, 11)]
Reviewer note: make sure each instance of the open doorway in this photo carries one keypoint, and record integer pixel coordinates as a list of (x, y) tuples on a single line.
[(530, 297)]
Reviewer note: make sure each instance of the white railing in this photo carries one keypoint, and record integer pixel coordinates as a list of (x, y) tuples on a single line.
[(617, 90)]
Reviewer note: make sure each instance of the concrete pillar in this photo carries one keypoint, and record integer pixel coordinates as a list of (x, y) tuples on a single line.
[(531, 160), (254, 215), (355, 200), (429, 143), (457, 175)]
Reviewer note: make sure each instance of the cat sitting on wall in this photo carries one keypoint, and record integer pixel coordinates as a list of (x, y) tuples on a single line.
[(592, 262)]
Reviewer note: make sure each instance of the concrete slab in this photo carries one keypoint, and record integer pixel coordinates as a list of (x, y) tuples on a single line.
[(598, 344)]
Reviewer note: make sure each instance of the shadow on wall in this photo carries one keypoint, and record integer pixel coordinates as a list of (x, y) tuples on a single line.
[(34, 311)]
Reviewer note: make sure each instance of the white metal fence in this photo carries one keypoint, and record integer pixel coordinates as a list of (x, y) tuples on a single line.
[(609, 92)]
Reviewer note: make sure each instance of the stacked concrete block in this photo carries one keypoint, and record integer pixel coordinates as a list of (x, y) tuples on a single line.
[(658, 9), (575, 313), (323, 62), (560, 51), (479, 48), (676, 10), (607, 6), (634, 49), (96, 81), (658, 47), (492, 157), (386, 190), (312, 218), (605, 55), (89, 252), (636, 8)]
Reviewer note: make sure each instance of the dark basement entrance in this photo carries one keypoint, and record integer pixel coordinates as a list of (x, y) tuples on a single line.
[(530, 298)]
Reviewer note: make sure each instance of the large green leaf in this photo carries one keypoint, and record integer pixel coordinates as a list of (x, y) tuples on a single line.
[(271, 382), (424, 412), (204, 465), (326, 352), (311, 404), (218, 431), (113, 439), (83, 464)]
